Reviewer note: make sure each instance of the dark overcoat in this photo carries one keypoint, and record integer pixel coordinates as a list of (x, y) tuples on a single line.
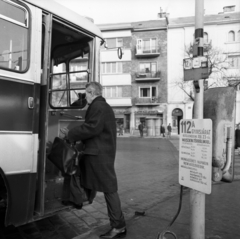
[(98, 134), (237, 138)]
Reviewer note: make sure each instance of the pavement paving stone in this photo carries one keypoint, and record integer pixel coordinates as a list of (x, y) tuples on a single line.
[(57, 221), (80, 213), (89, 220), (99, 215), (89, 209)]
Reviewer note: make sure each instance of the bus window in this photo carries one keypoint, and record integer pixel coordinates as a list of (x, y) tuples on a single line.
[(59, 85), (71, 56), (14, 37), (78, 79)]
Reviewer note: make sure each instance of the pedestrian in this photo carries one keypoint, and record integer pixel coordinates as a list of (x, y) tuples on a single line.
[(121, 129), (98, 134), (162, 130), (140, 128), (169, 129), (237, 138)]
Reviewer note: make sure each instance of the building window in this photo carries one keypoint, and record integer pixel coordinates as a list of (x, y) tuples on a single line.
[(112, 92), (231, 36), (14, 37), (238, 87), (148, 67), (234, 62), (238, 36), (148, 92), (111, 67), (114, 42), (148, 45), (205, 37)]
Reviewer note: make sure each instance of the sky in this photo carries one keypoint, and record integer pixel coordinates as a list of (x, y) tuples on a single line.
[(121, 11)]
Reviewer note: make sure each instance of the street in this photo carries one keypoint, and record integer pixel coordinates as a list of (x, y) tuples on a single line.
[(147, 170)]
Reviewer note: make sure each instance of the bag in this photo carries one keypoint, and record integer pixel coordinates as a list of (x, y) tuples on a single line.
[(64, 156)]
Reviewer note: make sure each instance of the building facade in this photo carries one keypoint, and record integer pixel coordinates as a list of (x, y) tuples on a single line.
[(143, 85), (136, 85)]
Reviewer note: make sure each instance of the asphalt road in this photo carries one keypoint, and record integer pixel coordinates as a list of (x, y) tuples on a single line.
[(147, 171)]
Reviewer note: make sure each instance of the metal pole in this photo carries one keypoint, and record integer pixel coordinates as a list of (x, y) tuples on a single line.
[(197, 199)]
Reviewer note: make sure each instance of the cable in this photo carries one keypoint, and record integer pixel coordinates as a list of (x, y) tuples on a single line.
[(166, 230)]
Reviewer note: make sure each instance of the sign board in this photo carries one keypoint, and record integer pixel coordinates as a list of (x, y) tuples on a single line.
[(195, 68), (195, 154)]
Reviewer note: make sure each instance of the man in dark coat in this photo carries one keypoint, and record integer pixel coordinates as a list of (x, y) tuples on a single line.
[(162, 130), (140, 128), (98, 134), (237, 138)]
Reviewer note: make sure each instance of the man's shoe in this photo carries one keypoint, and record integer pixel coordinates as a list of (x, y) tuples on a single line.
[(115, 233)]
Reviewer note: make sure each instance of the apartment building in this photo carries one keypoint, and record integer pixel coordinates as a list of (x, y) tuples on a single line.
[(136, 85), (222, 33), (115, 73)]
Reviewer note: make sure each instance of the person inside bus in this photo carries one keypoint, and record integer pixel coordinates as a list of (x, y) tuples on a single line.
[(98, 134), (81, 101)]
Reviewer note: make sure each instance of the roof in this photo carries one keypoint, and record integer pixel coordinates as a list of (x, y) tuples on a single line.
[(152, 24), (208, 19), (65, 13), (115, 26), (135, 26)]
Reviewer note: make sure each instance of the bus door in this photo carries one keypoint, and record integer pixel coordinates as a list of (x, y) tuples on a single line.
[(71, 67), (19, 108)]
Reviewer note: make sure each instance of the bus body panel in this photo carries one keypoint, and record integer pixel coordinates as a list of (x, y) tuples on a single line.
[(19, 143), (66, 14), (21, 190)]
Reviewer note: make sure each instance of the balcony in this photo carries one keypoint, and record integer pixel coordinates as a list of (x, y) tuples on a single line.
[(153, 101), (147, 51), (148, 76)]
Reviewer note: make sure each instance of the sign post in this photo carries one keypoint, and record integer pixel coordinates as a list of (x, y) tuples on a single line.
[(191, 173), (197, 199)]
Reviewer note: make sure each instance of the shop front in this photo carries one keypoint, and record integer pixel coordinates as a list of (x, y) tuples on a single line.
[(122, 118), (151, 120)]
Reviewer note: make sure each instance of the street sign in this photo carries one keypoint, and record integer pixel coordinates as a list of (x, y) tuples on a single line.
[(196, 63), (195, 154), (187, 63), (195, 68)]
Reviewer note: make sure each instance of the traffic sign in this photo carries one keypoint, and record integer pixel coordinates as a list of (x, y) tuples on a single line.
[(195, 154)]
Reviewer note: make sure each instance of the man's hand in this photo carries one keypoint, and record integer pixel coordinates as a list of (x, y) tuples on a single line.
[(63, 133)]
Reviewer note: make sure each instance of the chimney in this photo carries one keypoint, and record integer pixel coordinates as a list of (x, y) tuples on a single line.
[(162, 14)]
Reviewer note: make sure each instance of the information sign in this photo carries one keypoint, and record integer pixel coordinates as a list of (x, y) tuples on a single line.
[(195, 154), (195, 68)]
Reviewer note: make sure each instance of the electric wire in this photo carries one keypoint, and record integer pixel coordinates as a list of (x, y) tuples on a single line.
[(166, 230)]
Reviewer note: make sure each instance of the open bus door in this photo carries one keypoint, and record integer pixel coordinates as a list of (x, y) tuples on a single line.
[(46, 65), (68, 65)]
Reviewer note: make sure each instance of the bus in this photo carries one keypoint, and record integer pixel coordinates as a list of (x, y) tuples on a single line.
[(47, 55)]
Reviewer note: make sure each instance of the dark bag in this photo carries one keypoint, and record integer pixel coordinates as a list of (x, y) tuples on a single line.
[(64, 156)]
